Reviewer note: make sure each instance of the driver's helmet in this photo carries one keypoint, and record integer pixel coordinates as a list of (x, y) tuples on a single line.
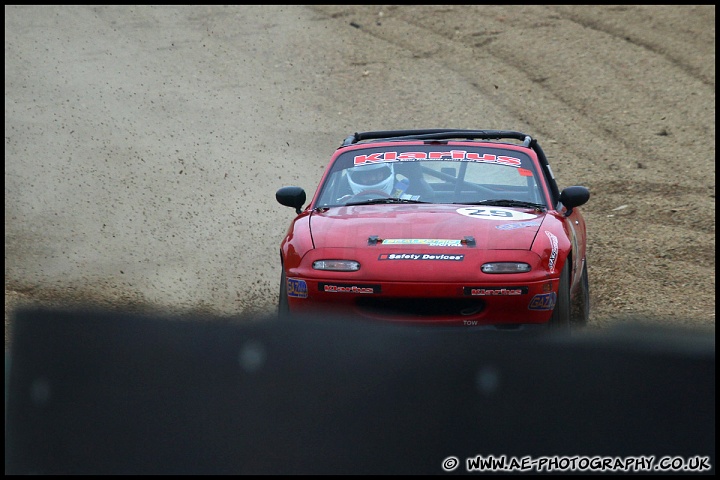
[(376, 176)]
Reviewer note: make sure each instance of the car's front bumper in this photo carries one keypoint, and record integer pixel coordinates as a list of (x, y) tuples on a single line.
[(449, 304)]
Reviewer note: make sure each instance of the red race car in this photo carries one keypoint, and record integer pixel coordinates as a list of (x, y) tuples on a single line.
[(447, 227)]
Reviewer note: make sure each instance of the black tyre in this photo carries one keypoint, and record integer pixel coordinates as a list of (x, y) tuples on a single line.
[(580, 308), (283, 307), (560, 319)]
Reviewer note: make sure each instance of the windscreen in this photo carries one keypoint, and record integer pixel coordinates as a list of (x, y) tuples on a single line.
[(431, 174)]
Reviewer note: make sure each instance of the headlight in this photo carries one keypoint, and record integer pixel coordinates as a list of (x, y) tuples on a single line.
[(336, 265), (505, 267)]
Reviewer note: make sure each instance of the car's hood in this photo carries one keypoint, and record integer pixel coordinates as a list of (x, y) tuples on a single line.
[(494, 228)]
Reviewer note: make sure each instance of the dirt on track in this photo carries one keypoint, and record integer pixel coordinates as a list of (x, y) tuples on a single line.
[(144, 145)]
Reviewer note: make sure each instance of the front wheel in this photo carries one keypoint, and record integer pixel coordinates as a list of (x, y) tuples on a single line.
[(581, 302), (283, 307), (560, 319)]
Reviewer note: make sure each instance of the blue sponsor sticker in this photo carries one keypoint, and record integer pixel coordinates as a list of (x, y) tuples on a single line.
[(297, 288), (513, 226), (543, 301)]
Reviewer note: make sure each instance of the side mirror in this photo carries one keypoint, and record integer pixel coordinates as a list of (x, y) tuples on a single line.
[(291, 197), (573, 197)]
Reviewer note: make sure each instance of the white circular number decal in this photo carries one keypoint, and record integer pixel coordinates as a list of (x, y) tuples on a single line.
[(494, 213)]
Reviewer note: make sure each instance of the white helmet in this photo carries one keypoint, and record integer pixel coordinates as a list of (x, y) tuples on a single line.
[(375, 176)]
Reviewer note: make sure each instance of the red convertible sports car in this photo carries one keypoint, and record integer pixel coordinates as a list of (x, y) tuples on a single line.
[(447, 227)]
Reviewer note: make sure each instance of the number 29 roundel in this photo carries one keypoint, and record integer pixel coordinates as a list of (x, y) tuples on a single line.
[(494, 213)]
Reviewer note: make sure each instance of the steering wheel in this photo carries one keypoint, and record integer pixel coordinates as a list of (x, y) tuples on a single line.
[(367, 193)]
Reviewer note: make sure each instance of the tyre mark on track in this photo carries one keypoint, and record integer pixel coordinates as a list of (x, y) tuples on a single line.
[(652, 203), (659, 41)]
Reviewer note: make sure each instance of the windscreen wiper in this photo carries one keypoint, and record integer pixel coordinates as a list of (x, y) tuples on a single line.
[(506, 203), (376, 201)]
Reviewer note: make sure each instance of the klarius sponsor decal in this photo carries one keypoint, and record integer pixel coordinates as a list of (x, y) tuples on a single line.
[(348, 288), (461, 155), (553, 250), (431, 242), (420, 256), (487, 291)]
